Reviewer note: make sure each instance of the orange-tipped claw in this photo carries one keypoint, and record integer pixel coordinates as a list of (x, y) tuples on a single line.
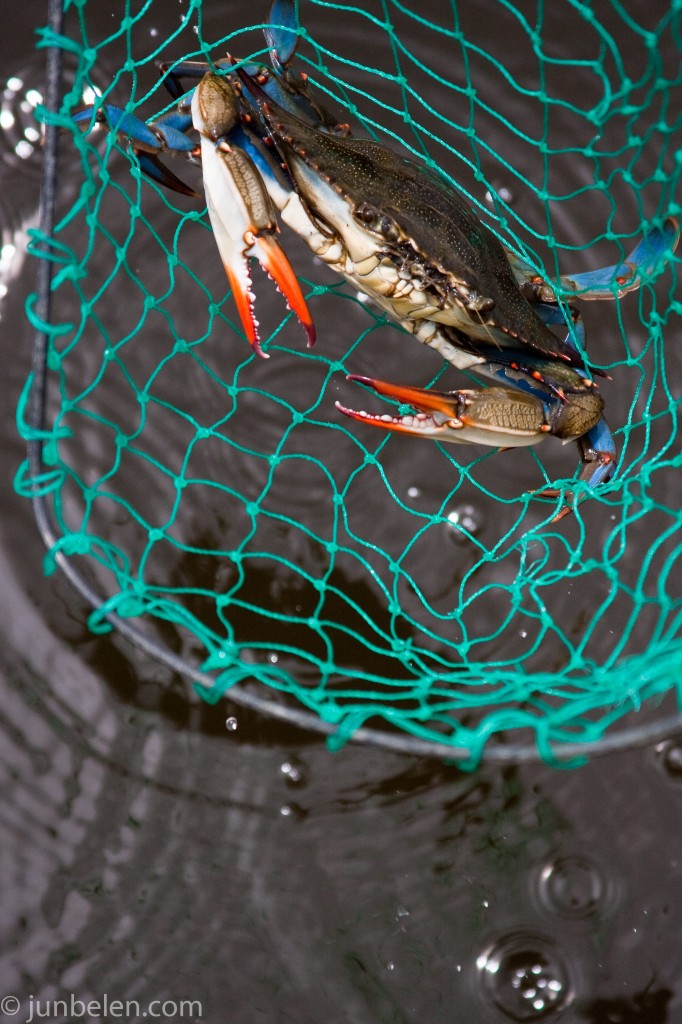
[(438, 411), (426, 401), (242, 214), (240, 282), (274, 261)]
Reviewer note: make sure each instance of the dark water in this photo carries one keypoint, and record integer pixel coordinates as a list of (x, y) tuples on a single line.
[(152, 851)]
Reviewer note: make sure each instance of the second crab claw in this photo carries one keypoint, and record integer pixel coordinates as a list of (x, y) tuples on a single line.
[(504, 417), (241, 212), (496, 416)]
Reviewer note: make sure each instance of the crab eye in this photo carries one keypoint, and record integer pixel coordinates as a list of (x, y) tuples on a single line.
[(389, 229), (367, 213)]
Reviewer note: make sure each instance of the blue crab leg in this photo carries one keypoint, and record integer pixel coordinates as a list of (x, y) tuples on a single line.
[(598, 463), (281, 33), (167, 135), (609, 282)]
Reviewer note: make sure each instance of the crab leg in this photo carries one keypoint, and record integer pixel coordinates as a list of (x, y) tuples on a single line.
[(597, 463), (497, 416), (609, 282), (241, 212), (167, 135)]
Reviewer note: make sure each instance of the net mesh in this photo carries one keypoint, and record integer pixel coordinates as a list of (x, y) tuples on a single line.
[(220, 500)]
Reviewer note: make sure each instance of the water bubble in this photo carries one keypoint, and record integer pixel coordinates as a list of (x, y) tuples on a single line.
[(90, 94), (671, 758), (503, 193), (19, 133), (293, 811), (293, 771), (571, 886), (23, 149), (524, 977), (231, 724), (465, 521)]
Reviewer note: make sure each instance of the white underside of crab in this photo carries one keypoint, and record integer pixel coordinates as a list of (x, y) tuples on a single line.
[(351, 251)]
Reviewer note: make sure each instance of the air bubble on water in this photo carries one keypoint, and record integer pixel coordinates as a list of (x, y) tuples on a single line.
[(671, 758), (465, 520), (153, 32), (523, 633), (413, 492), (231, 724), (293, 771), (503, 193), (292, 811), (525, 977), (273, 657), (90, 94)]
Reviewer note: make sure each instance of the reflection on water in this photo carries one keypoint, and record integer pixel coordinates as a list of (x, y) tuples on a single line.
[(155, 846)]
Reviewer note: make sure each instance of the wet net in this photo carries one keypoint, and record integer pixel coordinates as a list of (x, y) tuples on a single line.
[(218, 509)]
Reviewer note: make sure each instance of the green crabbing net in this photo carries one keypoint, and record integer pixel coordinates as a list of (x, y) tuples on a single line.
[(220, 502)]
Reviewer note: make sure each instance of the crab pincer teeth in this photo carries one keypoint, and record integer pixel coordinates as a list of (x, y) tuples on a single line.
[(415, 423), (238, 275), (436, 411), (273, 260)]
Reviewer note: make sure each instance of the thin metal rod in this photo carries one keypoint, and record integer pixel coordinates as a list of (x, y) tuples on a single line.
[(48, 196)]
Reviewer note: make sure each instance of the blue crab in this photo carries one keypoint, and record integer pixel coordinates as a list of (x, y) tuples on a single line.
[(400, 234)]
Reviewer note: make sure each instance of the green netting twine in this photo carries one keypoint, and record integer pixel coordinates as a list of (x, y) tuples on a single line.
[(222, 500)]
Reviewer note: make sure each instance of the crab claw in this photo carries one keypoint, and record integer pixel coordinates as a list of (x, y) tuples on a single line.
[(241, 212), (496, 416)]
